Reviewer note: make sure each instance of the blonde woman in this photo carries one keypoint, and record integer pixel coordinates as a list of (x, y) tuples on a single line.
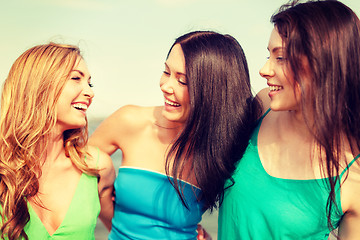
[(51, 184)]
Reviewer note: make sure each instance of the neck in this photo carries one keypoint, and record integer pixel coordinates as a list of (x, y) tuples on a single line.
[(298, 123), (163, 123), (168, 126), (55, 149)]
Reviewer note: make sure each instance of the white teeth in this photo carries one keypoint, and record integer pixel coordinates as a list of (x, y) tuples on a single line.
[(80, 106), (172, 103), (275, 88)]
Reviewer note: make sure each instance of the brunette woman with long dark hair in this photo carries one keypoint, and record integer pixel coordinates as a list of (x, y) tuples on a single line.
[(177, 157), (300, 177)]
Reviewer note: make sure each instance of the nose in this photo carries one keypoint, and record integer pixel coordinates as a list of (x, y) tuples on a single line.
[(267, 71), (166, 85), (88, 92)]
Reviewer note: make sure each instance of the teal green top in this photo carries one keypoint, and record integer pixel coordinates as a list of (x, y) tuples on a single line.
[(260, 206), (81, 217)]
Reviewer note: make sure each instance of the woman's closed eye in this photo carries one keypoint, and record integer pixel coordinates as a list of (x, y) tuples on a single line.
[(182, 81)]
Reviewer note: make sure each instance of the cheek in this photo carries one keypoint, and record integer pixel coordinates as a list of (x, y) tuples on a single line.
[(62, 98), (186, 97), (162, 81)]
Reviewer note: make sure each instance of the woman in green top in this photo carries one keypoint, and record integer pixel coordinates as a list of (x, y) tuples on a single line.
[(306, 148), (49, 186)]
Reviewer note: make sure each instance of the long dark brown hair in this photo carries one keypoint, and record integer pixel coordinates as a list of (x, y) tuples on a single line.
[(327, 34), (222, 113)]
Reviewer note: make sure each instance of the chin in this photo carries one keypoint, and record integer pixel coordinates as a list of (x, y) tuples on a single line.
[(277, 108), (76, 126), (174, 117)]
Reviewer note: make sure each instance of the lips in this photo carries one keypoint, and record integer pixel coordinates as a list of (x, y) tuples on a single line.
[(171, 103), (80, 106), (275, 88)]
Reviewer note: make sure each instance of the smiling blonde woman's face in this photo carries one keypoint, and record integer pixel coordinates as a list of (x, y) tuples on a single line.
[(75, 98)]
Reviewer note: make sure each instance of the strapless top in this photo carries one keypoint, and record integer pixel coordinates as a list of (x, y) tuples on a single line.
[(147, 206)]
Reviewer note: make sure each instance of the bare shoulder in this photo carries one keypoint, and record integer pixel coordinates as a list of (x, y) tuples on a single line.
[(121, 126), (103, 162), (95, 158), (264, 98), (130, 117), (98, 159)]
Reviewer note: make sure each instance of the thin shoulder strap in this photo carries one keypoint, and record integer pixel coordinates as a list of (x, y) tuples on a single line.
[(98, 157), (267, 111), (262, 117), (349, 165)]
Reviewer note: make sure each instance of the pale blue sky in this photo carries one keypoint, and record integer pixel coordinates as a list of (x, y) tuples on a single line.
[(125, 42)]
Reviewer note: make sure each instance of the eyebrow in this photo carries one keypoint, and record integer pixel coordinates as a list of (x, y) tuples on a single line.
[(276, 49), (179, 73)]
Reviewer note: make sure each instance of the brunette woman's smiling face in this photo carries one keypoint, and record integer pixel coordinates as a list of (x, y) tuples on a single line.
[(284, 91), (173, 84)]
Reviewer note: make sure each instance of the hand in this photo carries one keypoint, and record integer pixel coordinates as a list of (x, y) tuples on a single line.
[(202, 234)]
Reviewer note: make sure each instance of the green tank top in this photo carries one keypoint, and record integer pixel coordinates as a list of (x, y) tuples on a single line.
[(81, 217), (260, 206)]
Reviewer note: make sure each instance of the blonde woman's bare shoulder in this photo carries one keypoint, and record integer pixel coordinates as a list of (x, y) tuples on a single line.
[(103, 162), (92, 156)]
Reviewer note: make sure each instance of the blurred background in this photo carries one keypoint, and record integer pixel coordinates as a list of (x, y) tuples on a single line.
[(125, 42)]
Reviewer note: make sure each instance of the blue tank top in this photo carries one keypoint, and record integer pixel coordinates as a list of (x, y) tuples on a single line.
[(260, 206), (148, 207)]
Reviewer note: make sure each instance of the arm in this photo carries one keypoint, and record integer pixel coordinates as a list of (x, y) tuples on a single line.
[(113, 133), (350, 195), (350, 204), (106, 188), (104, 135), (103, 162), (349, 226)]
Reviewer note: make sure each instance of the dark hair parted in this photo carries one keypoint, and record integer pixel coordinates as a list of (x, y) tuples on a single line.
[(326, 34), (221, 116)]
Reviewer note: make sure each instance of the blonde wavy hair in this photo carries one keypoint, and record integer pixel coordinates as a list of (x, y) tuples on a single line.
[(28, 114)]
